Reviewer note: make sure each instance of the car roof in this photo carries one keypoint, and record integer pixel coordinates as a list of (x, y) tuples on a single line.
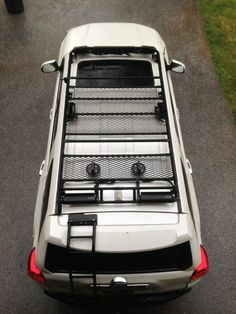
[(111, 35)]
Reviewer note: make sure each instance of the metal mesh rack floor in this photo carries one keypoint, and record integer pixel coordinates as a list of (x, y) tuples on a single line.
[(117, 168), (118, 124), (115, 111), (138, 92)]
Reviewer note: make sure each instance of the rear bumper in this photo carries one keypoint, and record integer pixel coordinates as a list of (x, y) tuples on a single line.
[(138, 285), (120, 298)]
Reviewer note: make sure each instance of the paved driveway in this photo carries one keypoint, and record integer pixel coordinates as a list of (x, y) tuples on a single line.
[(26, 96)]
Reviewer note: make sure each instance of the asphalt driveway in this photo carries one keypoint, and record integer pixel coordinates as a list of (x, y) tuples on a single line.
[(26, 95)]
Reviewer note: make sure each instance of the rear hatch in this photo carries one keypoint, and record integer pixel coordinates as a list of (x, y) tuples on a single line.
[(124, 242)]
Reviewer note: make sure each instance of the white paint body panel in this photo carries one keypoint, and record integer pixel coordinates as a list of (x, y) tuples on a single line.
[(110, 34)]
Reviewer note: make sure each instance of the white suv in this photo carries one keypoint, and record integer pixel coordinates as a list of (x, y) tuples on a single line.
[(116, 212)]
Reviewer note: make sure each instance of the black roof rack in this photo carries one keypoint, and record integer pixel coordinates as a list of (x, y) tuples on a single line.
[(104, 114)]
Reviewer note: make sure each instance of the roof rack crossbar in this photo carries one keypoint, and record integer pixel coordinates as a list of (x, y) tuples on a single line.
[(114, 98), (110, 179), (115, 114), (116, 155), (114, 87), (111, 140), (110, 78), (118, 133), (119, 188)]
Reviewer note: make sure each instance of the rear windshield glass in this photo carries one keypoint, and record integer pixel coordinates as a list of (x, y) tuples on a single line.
[(173, 258), (114, 73)]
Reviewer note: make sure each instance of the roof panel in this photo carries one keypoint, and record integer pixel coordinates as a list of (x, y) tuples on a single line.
[(111, 35)]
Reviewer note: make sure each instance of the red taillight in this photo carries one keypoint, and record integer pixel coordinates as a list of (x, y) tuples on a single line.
[(33, 270), (202, 268)]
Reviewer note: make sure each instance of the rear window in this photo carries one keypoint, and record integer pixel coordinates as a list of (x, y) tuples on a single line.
[(173, 258), (113, 69)]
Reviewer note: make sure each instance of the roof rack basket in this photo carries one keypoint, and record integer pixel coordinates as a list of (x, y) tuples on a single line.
[(116, 113)]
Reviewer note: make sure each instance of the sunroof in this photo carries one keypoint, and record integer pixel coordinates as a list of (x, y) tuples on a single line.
[(135, 72)]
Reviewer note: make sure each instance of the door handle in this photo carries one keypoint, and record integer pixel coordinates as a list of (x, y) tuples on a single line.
[(51, 114), (189, 166), (41, 168)]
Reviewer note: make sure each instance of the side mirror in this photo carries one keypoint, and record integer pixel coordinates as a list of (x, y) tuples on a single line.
[(176, 66), (49, 66)]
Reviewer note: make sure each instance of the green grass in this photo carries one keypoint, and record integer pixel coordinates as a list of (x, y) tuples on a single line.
[(219, 18)]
